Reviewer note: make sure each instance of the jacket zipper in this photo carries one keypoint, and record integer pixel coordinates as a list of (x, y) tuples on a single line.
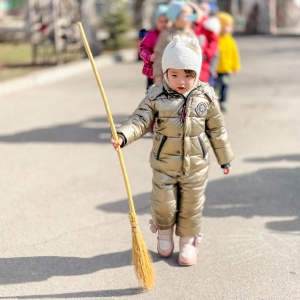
[(161, 146), (182, 119), (202, 147), (183, 110)]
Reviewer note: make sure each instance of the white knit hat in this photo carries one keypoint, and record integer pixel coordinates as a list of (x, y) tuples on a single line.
[(183, 52)]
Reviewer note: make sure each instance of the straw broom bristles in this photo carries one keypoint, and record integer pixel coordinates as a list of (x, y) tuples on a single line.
[(140, 255)]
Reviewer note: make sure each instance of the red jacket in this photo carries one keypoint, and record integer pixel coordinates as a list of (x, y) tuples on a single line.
[(146, 50), (209, 44)]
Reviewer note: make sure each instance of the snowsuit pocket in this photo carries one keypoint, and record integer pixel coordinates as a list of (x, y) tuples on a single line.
[(161, 146), (202, 145)]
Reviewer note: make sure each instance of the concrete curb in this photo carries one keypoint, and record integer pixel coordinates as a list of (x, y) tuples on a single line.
[(53, 74)]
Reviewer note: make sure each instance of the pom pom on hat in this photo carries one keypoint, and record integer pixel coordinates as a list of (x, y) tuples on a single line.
[(161, 10), (174, 9), (183, 52)]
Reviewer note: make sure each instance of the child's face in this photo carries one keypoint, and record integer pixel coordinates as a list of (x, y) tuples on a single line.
[(228, 28), (161, 23), (179, 81), (184, 19)]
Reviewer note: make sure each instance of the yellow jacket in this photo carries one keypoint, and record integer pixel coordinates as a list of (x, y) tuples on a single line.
[(228, 55)]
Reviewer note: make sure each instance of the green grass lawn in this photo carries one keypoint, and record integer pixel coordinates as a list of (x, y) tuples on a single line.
[(16, 59), (11, 54)]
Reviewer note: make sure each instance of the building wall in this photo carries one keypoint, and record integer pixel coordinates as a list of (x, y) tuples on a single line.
[(271, 16)]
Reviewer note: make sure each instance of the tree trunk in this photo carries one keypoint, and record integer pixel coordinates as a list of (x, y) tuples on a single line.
[(89, 22), (138, 15)]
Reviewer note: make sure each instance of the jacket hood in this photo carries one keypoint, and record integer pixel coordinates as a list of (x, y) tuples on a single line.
[(212, 24)]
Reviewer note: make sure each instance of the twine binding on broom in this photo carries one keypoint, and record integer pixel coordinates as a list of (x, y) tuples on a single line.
[(140, 256)]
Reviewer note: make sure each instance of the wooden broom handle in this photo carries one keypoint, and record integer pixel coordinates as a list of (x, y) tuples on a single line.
[(109, 116)]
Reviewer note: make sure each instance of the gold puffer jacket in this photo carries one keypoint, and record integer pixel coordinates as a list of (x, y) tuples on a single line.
[(184, 128)]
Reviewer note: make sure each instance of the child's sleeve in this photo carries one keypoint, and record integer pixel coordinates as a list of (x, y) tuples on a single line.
[(216, 131), (160, 46), (138, 123), (235, 57), (145, 49)]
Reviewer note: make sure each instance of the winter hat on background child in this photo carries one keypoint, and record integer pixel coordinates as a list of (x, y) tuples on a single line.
[(174, 9), (225, 18), (183, 52), (161, 10)]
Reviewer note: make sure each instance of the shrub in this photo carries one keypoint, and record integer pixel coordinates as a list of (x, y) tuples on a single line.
[(117, 22)]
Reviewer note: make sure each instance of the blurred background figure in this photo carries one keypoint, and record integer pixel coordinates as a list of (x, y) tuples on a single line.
[(207, 29), (149, 41), (141, 35), (182, 16), (229, 61)]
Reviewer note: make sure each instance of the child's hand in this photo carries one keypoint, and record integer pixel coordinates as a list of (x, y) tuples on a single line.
[(158, 79), (115, 144), (152, 58), (226, 171)]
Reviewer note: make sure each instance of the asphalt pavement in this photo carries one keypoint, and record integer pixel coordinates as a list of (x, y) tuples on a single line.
[(64, 227)]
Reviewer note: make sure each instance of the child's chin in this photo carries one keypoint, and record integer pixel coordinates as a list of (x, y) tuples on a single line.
[(181, 91)]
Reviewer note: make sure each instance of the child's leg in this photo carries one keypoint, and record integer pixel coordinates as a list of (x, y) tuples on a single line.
[(223, 83), (163, 209), (163, 200), (190, 206), (149, 82), (190, 215)]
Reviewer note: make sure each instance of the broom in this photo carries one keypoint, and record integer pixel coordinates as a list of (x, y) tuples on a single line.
[(140, 255)]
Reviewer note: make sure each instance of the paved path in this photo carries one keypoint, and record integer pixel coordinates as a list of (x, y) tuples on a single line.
[(64, 229)]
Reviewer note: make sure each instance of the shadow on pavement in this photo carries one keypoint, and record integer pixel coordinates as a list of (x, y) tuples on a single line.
[(89, 294), (93, 130), (272, 192), (141, 204), (33, 269), (295, 157)]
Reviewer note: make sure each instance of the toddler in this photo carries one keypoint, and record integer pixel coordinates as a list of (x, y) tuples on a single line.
[(188, 123)]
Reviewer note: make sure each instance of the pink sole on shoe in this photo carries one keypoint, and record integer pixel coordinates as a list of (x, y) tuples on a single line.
[(187, 263), (165, 253), (188, 256)]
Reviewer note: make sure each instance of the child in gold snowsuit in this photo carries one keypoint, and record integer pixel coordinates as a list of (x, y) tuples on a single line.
[(188, 121)]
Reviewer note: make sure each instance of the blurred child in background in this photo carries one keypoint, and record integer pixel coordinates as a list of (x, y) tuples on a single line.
[(207, 29), (182, 15), (147, 45), (228, 58)]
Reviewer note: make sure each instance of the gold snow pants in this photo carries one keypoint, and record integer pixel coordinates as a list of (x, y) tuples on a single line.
[(179, 200)]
